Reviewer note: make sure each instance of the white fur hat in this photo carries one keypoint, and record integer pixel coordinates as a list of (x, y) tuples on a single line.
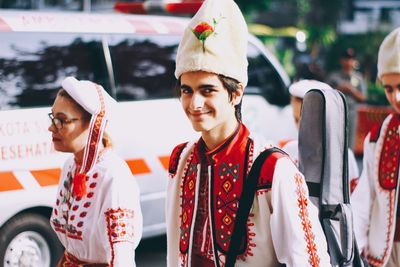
[(389, 54), (95, 100), (215, 41), (300, 88)]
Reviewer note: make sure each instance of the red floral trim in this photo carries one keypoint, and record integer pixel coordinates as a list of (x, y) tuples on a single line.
[(250, 236), (377, 262), (302, 202), (120, 227)]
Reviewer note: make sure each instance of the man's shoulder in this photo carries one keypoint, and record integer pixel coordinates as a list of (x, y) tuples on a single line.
[(268, 160), (175, 157)]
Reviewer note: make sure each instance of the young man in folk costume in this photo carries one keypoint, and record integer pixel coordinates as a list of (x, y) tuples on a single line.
[(209, 177), (376, 197)]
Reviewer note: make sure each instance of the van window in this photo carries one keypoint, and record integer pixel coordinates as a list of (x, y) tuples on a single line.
[(143, 66), (32, 65), (264, 79)]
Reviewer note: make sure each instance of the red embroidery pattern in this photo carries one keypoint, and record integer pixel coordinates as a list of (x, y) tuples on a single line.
[(94, 139), (120, 227), (188, 189), (227, 173), (65, 222), (302, 202), (378, 262), (390, 156)]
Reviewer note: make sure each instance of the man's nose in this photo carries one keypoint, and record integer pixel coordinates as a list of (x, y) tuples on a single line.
[(397, 95), (197, 101)]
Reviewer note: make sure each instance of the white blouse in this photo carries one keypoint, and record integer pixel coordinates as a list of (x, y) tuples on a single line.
[(105, 226)]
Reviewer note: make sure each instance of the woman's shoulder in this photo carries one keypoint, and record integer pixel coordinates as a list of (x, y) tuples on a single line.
[(113, 165)]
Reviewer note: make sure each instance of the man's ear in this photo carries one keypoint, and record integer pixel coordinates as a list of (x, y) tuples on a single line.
[(238, 94)]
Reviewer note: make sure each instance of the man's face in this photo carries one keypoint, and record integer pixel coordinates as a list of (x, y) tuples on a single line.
[(391, 83), (348, 64), (206, 101), (296, 106)]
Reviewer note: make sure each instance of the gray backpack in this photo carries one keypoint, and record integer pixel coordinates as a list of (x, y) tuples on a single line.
[(323, 161)]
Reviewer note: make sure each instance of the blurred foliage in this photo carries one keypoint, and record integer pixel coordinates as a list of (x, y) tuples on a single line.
[(319, 18), (376, 95), (248, 7)]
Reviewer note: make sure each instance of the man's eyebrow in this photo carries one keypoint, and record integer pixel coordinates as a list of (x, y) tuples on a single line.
[(207, 86), (184, 86)]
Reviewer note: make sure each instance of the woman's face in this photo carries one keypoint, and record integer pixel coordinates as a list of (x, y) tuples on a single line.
[(75, 128)]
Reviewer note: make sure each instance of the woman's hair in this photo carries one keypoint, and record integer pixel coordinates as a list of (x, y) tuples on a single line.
[(230, 84), (86, 116)]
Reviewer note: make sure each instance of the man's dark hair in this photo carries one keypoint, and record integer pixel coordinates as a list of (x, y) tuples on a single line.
[(230, 84)]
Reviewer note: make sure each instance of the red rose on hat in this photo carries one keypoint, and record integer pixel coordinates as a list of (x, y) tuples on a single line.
[(202, 31)]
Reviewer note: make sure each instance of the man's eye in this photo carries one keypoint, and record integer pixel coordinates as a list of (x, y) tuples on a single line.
[(186, 91), (388, 89), (208, 90)]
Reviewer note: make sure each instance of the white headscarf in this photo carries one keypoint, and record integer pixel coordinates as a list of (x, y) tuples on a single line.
[(95, 100)]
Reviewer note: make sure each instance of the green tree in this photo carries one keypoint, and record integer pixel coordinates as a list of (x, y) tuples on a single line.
[(249, 7), (319, 18)]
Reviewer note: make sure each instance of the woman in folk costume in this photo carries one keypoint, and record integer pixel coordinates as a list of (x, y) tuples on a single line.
[(375, 199), (97, 215), (207, 176), (297, 92)]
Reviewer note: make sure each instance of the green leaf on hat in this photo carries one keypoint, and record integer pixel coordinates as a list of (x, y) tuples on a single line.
[(196, 33), (204, 35)]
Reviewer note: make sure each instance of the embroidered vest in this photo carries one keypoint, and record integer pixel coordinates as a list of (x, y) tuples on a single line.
[(231, 163)]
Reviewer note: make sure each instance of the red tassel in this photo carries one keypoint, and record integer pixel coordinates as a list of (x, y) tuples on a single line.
[(79, 185)]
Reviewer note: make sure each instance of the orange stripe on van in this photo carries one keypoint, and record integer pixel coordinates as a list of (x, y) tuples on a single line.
[(9, 182), (4, 27), (164, 161), (47, 177), (138, 166)]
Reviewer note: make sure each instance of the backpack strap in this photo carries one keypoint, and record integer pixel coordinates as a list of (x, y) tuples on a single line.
[(245, 203)]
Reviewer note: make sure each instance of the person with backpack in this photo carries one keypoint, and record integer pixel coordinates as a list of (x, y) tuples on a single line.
[(297, 92), (376, 198), (232, 200)]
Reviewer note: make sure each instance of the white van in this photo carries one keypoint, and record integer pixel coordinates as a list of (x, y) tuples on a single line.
[(132, 56)]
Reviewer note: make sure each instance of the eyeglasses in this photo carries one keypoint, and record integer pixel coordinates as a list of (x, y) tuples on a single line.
[(59, 123)]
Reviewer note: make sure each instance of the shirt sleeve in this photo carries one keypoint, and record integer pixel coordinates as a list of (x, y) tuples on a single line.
[(363, 197), (123, 217), (297, 234)]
